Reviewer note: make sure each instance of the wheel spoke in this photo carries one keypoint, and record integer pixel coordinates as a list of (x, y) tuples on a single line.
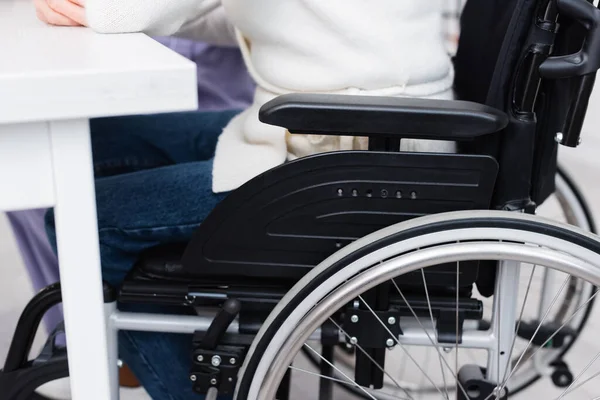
[(371, 359), (580, 384), (440, 355), (323, 359), (503, 385), (579, 376), (340, 381), (435, 346), (580, 308), (512, 346), (503, 321), (322, 376), (456, 333), (401, 345)]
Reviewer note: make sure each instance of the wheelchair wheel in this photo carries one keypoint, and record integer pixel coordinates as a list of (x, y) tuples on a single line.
[(344, 280), (567, 205)]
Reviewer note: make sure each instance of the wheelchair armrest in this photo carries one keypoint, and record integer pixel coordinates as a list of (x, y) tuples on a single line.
[(372, 116)]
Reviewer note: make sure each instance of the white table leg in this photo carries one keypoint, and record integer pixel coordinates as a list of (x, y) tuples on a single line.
[(79, 259)]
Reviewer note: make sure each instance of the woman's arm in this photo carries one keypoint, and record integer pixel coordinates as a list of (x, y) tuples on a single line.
[(203, 20), (61, 12), (155, 17)]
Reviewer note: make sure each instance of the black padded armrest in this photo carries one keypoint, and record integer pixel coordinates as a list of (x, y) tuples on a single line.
[(382, 116)]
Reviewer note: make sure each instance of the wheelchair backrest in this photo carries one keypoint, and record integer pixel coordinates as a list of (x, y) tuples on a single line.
[(503, 60)]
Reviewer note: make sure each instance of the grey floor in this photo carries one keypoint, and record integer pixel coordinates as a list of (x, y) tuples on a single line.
[(583, 163)]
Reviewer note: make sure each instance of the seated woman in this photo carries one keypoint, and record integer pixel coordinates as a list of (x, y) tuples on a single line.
[(160, 176)]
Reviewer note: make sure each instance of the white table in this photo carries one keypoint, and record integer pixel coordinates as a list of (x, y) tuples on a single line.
[(52, 80)]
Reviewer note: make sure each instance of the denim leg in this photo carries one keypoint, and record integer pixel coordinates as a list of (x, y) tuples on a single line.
[(147, 208), (156, 359), (153, 207), (161, 361), (133, 143), (144, 209), (137, 211), (154, 180), (139, 208)]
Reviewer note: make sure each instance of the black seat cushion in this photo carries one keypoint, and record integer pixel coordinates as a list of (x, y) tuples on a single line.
[(163, 261)]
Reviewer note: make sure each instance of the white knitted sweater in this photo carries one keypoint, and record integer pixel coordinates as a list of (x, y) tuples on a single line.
[(368, 47)]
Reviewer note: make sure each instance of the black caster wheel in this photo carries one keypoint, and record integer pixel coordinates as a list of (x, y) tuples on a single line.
[(562, 377)]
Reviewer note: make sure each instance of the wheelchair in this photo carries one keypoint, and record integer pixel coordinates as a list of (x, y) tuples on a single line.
[(389, 274)]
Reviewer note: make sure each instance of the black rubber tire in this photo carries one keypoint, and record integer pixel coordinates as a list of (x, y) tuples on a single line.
[(532, 226)]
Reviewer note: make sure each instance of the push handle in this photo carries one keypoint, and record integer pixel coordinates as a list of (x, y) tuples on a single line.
[(585, 61)]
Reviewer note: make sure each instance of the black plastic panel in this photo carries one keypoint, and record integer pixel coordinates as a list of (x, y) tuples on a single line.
[(382, 116), (286, 221)]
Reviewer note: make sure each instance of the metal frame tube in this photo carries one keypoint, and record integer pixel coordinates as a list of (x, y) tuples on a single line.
[(112, 340), (504, 319)]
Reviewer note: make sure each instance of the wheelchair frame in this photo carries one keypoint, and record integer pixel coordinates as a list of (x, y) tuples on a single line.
[(381, 119), (55, 359)]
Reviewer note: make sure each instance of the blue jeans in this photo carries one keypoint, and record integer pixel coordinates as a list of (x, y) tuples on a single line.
[(153, 186)]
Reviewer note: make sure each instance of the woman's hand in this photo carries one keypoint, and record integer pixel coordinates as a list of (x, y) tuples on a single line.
[(61, 12)]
